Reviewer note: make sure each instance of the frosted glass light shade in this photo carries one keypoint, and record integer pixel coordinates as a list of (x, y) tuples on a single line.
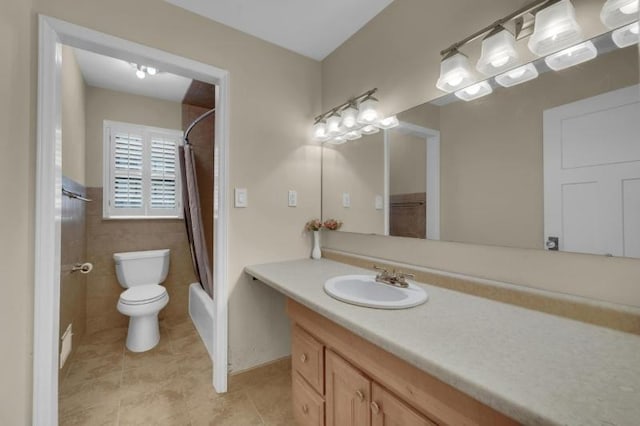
[(619, 12), (333, 126), (338, 140), (455, 72), (353, 135), (368, 112), (320, 132), (574, 55), (555, 28), (152, 71), (369, 130), (475, 91), (498, 53), (517, 75), (350, 118), (626, 36), (389, 122)]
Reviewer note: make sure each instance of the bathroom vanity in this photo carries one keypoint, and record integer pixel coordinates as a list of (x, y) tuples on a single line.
[(457, 359)]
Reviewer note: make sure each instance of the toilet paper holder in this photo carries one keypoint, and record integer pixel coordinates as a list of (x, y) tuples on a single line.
[(83, 268)]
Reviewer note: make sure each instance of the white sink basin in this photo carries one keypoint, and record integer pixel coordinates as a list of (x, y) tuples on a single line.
[(363, 290)]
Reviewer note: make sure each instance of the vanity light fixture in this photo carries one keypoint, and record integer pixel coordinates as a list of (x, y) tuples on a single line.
[(498, 52), (368, 111), (572, 56), (349, 121), (627, 35), (616, 13), (370, 130), (455, 72), (517, 75), (474, 91), (555, 28), (389, 122), (140, 73)]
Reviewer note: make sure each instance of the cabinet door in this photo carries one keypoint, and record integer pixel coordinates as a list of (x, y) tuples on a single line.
[(348, 393), (387, 410)]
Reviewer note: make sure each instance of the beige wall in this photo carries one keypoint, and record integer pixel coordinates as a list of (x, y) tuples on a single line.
[(491, 152), (405, 68), (103, 104), (356, 167), (73, 117), (269, 86), (407, 163)]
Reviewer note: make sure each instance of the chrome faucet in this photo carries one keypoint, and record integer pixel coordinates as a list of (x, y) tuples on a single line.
[(394, 278)]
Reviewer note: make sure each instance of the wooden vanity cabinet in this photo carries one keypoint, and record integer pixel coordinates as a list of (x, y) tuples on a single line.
[(340, 379)]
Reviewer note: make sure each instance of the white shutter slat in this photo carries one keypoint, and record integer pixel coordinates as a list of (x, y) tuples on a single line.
[(127, 182), (163, 174)]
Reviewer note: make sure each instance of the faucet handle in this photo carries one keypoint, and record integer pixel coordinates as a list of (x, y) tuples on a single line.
[(383, 271), (402, 276)]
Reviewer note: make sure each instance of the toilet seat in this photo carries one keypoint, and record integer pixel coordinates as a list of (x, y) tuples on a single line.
[(143, 294)]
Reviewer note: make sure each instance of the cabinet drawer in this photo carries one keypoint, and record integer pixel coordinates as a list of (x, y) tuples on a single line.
[(308, 406), (308, 358)]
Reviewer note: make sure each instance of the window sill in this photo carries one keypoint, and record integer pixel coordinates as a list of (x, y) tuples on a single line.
[(142, 218)]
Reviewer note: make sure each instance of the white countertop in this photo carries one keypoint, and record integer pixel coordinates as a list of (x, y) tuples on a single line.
[(534, 367)]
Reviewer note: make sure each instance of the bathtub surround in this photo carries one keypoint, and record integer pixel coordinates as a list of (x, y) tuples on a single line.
[(73, 285)]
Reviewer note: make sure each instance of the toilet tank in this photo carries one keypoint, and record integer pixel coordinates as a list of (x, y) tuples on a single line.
[(142, 267)]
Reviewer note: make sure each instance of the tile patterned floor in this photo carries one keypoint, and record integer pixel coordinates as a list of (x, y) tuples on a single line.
[(170, 385)]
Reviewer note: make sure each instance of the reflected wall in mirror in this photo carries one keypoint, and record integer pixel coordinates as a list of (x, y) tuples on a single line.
[(555, 157)]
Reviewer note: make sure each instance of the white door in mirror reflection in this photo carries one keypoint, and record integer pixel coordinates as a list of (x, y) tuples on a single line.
[(592, 174)]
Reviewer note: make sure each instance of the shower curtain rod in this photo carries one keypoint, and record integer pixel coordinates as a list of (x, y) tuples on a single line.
[(196, 121)]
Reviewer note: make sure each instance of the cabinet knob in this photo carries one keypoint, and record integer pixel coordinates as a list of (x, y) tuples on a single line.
[(375, 407), (305, 409), (360, 395), (303, 357)]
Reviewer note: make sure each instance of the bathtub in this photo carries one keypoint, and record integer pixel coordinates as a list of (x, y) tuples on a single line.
[(201, 312)]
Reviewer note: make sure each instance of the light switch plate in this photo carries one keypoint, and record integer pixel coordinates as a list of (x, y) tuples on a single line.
[(293, 198), (346, 199), (241, 198), (379, 202)]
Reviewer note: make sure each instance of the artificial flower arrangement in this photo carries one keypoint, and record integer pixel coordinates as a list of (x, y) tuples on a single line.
[(316, 225), (332, 224)]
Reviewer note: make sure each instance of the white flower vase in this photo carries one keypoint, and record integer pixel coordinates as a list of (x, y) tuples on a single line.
[(316, 253)]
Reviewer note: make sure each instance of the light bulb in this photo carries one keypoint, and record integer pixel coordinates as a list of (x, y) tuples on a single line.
[(151, 71), (472, 90), (498, 62), (517, 73), (333, 125), (369, 130), (140, 74), (320, 132)]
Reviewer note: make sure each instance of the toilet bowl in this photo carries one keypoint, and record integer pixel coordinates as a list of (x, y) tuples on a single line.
[(141, 273)]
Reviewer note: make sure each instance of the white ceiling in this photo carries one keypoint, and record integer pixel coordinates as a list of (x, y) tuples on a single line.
[(313, 28), (115, 74)]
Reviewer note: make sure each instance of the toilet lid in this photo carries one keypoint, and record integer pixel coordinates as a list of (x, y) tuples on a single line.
[(143, 294)]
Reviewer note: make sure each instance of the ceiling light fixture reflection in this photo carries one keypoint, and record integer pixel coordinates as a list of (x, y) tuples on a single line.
[(626, 36), (350, 117), (571, 56), (369, 130), (389, 122), (368, 111), (333, 125), (555, 28), (619, 12), (474, 91), (517, 75), (455, 72), (498, 52)]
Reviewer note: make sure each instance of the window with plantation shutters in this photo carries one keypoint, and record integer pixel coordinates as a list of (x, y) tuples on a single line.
[(141, 173)]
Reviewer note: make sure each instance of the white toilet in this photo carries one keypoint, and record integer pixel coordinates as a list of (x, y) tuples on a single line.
[(141, 273)]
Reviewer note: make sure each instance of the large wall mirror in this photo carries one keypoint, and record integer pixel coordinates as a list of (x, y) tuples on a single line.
[(553, 163)]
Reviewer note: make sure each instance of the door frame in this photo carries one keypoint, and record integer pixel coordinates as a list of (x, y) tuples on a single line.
[(432, 139), (52, 33)]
